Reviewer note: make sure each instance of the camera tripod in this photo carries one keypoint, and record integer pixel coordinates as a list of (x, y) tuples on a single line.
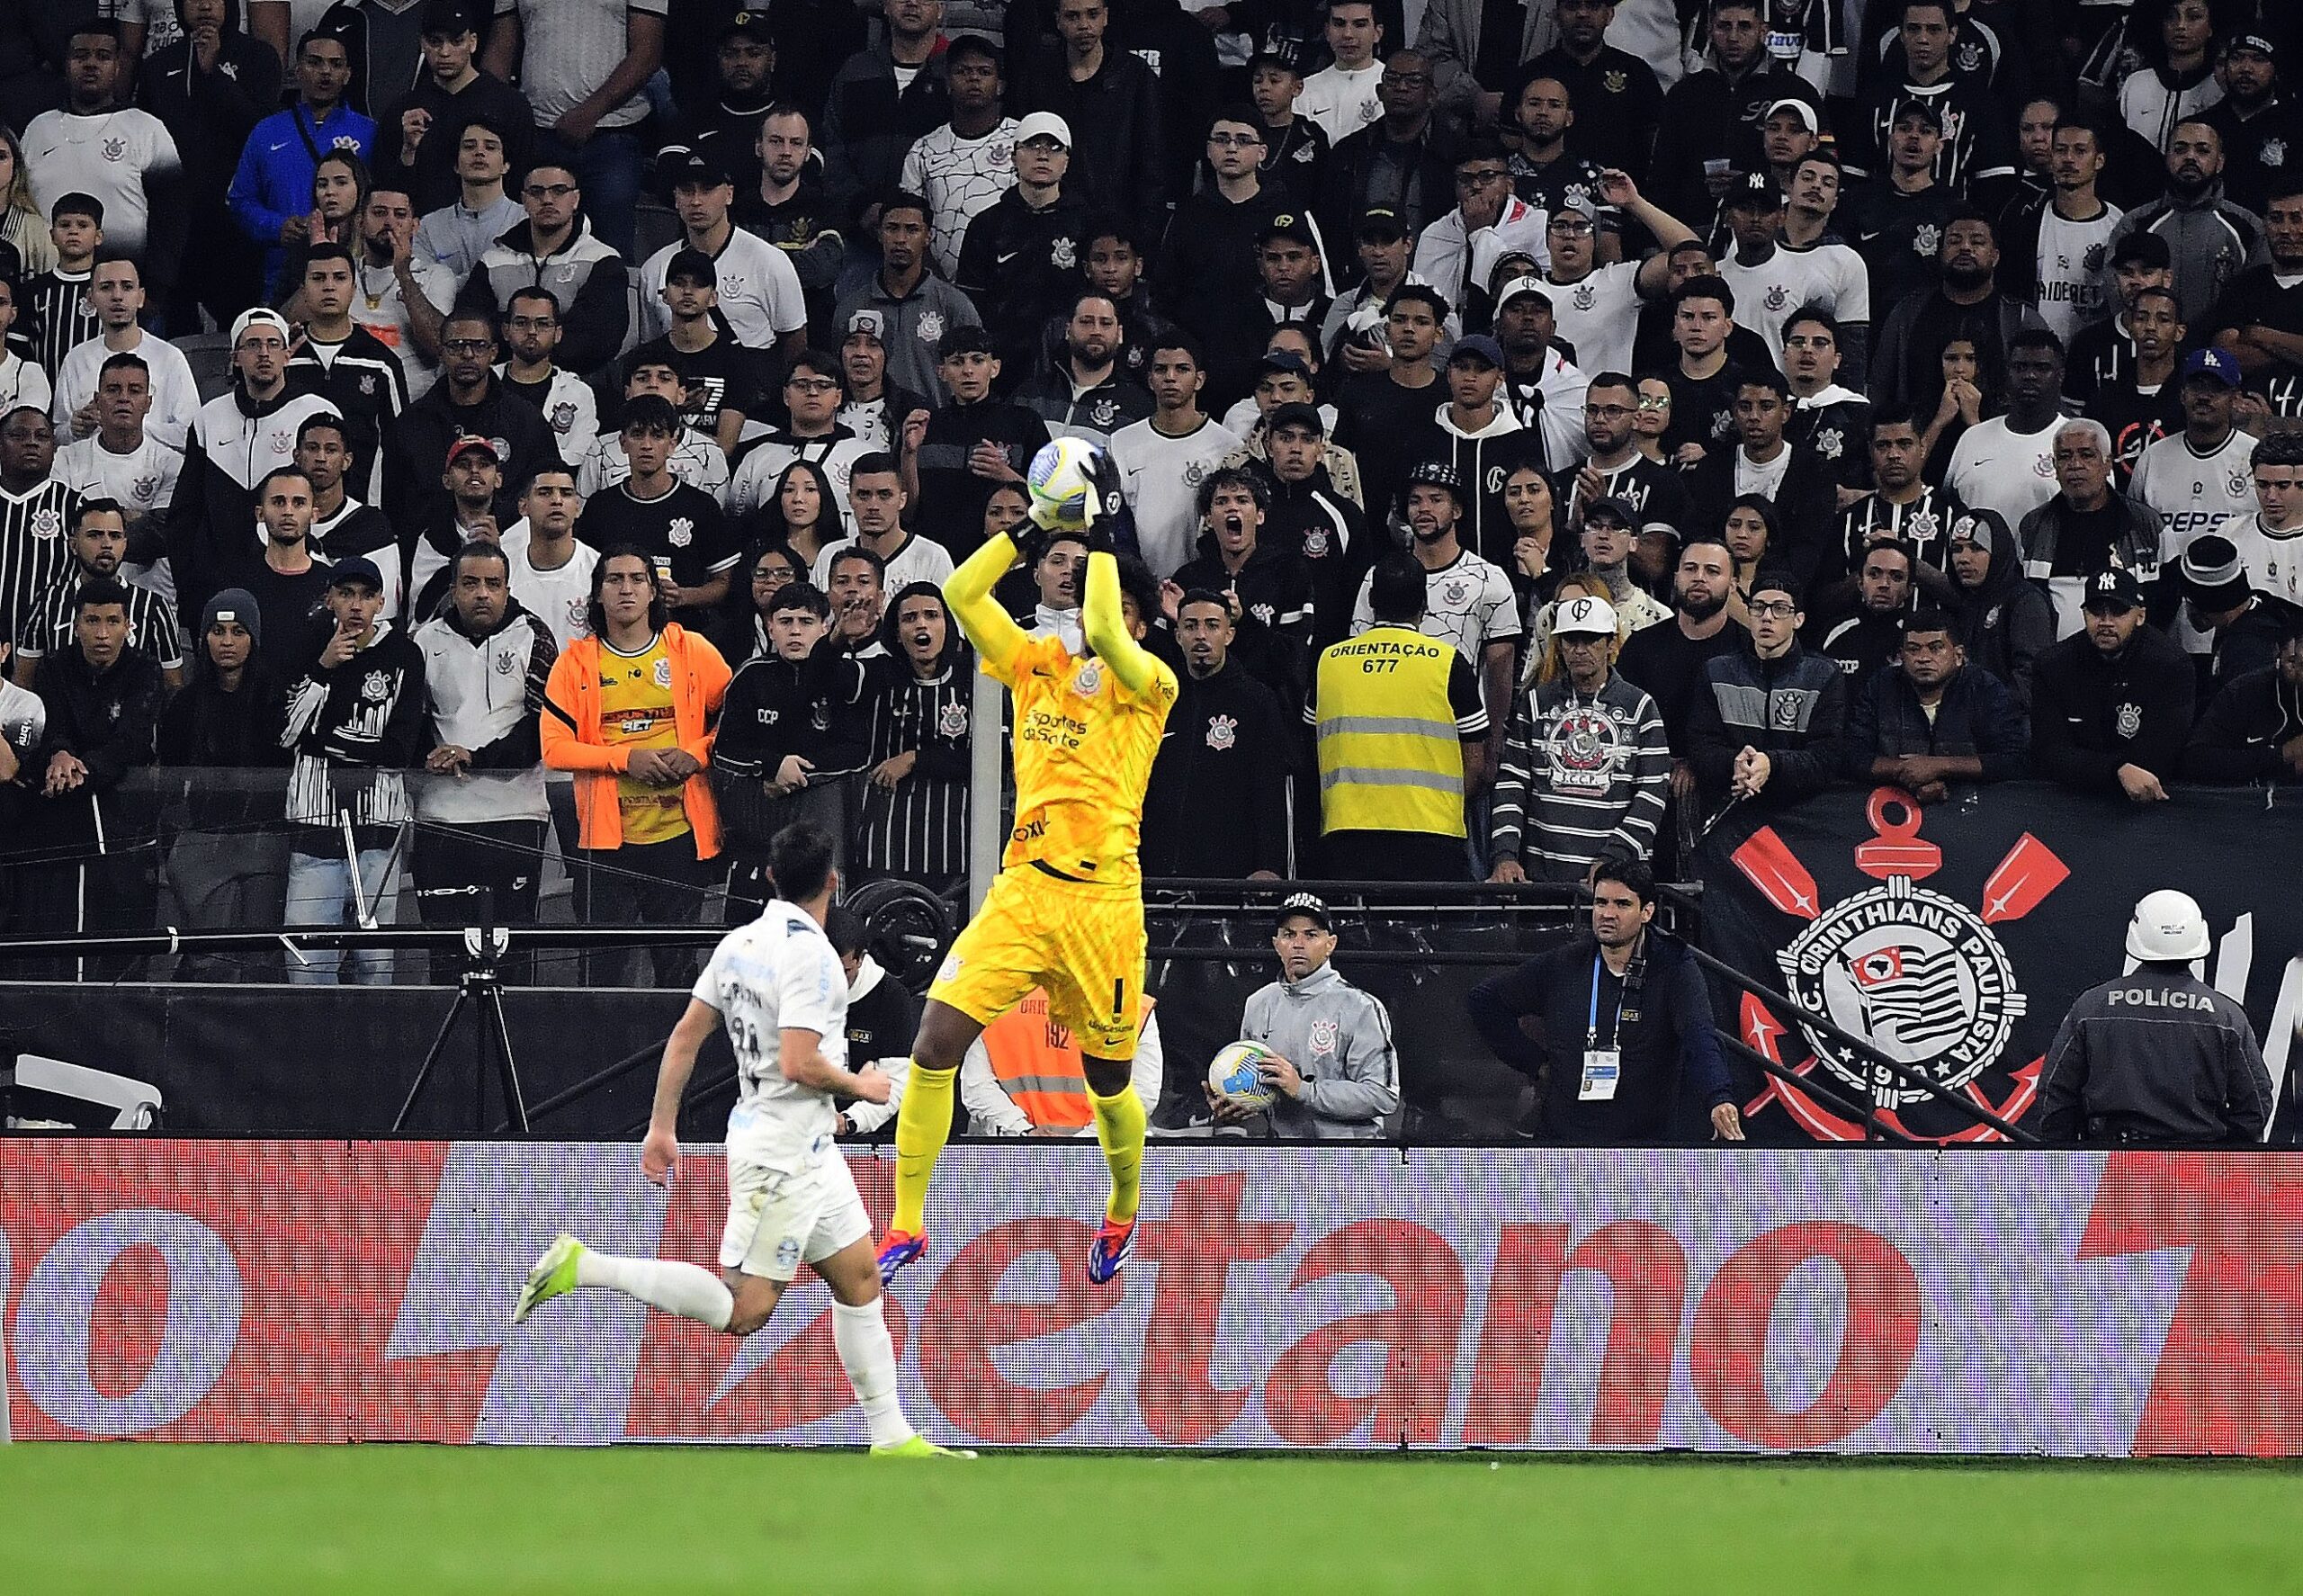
[(482, 988)]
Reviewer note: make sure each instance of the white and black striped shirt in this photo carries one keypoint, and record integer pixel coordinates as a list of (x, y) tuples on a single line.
[(60, 318), (33, 554), (151, 623), (919, 831)]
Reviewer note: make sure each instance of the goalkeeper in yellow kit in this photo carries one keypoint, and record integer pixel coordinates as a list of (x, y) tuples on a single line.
[(1067, 911)]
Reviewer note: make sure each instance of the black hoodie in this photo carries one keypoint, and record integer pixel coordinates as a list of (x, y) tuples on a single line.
[(2009, 622), (210, 114), (815, 708)]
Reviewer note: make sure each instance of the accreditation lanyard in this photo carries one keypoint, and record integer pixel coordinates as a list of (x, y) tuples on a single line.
[(1602, 1066)]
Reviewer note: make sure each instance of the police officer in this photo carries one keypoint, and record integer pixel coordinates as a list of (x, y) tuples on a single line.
[(2156, 1056)]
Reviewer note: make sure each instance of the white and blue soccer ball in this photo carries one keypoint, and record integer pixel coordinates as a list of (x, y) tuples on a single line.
[(1062, 482), (1232, 1075)]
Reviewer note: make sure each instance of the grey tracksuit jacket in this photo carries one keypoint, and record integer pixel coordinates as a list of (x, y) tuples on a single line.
[(1340, 1040)]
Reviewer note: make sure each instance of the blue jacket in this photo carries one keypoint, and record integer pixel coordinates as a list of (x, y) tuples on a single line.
[(273, 180)]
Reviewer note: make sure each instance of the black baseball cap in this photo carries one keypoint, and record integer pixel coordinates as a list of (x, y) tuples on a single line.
[(1296, 412), (453, 18), (697, 169), (1380, 224), (2141, 249), (748, 23), (692, 265), (1289, 226), (2113, 588), (1308, 906)]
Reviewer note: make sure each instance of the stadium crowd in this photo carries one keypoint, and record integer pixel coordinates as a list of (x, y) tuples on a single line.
[(1543, 426)]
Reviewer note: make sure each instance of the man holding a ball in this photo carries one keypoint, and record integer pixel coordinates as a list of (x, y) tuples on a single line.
[(1325, 1046)]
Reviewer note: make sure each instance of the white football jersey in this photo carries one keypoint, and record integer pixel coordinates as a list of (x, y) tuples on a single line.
[(776, 972)]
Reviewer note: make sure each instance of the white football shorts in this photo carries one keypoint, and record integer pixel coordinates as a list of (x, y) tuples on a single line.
[(779, 1217)]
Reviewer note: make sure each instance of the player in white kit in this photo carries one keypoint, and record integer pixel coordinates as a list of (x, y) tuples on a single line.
[(777, 986)]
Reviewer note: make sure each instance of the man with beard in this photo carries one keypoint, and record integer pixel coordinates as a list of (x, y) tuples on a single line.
[(1606, 538), (403, 297), (1217, 804), (556, 248), (472, 477), (116, 291), (1468, 602), (1936, 720), (1585, 764), (2213, 239), (1287, 288), (1977, 156), (471, 402), (1967, 304), (2201, 477), (287, 582), (2111, 707), (1088, 395), (1618, 102), (1863, 642), (1655, 495), (723, 124), (238, 437), (2261, 124), (2058, 246), (1544, 171), (1668, 662), (484, 801), (99, 542), (532, 335), (1400, 163), (1267, 590), (758, 287), (791, 209), (2261, 319)]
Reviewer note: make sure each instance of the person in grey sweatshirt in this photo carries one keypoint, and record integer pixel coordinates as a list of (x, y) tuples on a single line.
[(1335, 1076)]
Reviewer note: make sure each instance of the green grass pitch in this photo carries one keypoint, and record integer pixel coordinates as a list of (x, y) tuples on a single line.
[(149, 1520)]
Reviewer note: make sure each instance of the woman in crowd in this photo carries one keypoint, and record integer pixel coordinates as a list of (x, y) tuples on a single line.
[(21, 227)]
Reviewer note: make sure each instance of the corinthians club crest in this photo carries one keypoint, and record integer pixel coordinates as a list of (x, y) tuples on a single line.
[(1921, 974)]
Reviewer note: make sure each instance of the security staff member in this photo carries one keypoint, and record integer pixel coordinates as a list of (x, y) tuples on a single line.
[(1400, 727), (2157, 1057), (1627, 1024)]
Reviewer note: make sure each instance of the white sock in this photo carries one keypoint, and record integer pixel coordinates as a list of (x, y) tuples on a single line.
[(682, 1288), (869, 1356)]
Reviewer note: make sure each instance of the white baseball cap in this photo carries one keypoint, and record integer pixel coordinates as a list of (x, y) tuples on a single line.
[(1043, 124), (260, 315), (1583, 617)]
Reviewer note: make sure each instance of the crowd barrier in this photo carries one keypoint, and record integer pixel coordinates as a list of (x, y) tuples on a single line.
[(1933, 1302)]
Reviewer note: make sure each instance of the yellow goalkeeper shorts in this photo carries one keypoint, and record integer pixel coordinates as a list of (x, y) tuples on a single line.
[(1081, 941)]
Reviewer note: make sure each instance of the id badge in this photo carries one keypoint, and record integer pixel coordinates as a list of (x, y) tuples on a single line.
[(1602, 1068)]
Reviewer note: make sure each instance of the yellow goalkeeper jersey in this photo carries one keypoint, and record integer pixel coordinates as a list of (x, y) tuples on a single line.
[(1083, 748)]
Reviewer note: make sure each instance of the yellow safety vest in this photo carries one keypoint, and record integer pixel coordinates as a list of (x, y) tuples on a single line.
[(1390, 758)]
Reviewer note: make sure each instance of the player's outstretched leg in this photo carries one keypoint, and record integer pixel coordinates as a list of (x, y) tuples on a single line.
[(682, 1288), (923, 1124), (859, 1329), (1119, 1129)]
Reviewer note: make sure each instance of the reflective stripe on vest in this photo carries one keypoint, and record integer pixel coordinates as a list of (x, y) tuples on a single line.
[(1036, 1063), (1390, 757)]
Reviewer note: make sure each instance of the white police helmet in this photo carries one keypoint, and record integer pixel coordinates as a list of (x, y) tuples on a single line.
[(2167, 928)]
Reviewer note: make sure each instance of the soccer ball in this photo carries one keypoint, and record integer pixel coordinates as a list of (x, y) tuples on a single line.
[(1232, 1075), (1063, 485)]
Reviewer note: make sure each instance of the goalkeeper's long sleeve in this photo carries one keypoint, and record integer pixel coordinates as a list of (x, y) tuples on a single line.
[(1103, 623), (984, 620)]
